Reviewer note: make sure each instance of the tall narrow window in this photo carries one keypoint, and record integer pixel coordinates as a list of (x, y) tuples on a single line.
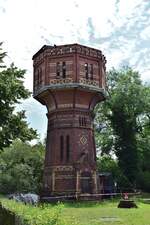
[(67, 147), (38, 75), (84, 121), (91, 71), (86, 70), (61, 148), (64, 69), (58, 69), (80, 121), (40, 79)]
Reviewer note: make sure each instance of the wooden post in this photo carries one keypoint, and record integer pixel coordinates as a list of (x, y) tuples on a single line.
[(95, 181), (53, 181), (77, 183)]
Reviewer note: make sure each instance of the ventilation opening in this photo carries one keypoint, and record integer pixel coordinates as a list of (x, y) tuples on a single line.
[(82, 122)]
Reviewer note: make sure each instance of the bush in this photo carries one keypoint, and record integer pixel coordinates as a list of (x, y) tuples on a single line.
[(29, 215), (21, 168)]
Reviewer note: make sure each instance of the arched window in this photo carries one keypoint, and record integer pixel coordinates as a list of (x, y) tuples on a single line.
[(67, 148), (61, 148)]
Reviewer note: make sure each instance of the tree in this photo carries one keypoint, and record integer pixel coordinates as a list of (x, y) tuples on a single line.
[(106, 163), (103, 132), (2, 55), (21, 168), (124, 110), (12, 124)]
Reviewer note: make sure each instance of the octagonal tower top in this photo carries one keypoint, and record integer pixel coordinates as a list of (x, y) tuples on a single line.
[(69, 66)]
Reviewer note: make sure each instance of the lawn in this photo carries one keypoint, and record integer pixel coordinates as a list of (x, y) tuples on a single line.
[(108, 213), (102, 213)]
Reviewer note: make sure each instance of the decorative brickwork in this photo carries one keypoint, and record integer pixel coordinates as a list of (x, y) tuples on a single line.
[(70, 81)]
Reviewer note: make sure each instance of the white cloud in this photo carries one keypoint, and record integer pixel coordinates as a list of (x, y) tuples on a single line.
[(145, 34), (119, 28)]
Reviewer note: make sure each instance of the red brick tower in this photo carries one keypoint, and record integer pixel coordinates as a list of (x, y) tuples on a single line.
[(70, 81)]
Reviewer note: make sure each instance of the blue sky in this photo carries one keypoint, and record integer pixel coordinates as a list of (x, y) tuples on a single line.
[(120, 28)]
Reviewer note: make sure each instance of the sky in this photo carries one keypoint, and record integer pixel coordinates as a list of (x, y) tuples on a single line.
[(120, 28)]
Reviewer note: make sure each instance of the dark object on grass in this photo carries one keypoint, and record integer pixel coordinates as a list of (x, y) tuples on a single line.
[(127, 204)]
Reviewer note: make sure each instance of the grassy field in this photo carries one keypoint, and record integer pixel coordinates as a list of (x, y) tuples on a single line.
[(102, 213), (108, 213)]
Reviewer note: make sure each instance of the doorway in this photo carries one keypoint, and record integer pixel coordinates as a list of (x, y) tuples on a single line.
[(86, 186)]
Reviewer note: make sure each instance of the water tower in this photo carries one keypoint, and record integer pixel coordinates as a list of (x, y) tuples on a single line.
[(69, 80)]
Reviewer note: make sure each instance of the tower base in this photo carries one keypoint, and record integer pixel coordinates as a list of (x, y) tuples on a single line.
[(68, 183)]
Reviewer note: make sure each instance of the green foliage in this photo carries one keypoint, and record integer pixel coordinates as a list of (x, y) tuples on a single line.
[(42, 215), (12, 124), (107, 164), (2, 55), (124, 119), (144, 180), (79, 213), (103, 132), (21, 167)]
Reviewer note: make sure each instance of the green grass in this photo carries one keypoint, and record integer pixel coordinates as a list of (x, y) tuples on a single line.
[(108, 213), (102, 213)]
